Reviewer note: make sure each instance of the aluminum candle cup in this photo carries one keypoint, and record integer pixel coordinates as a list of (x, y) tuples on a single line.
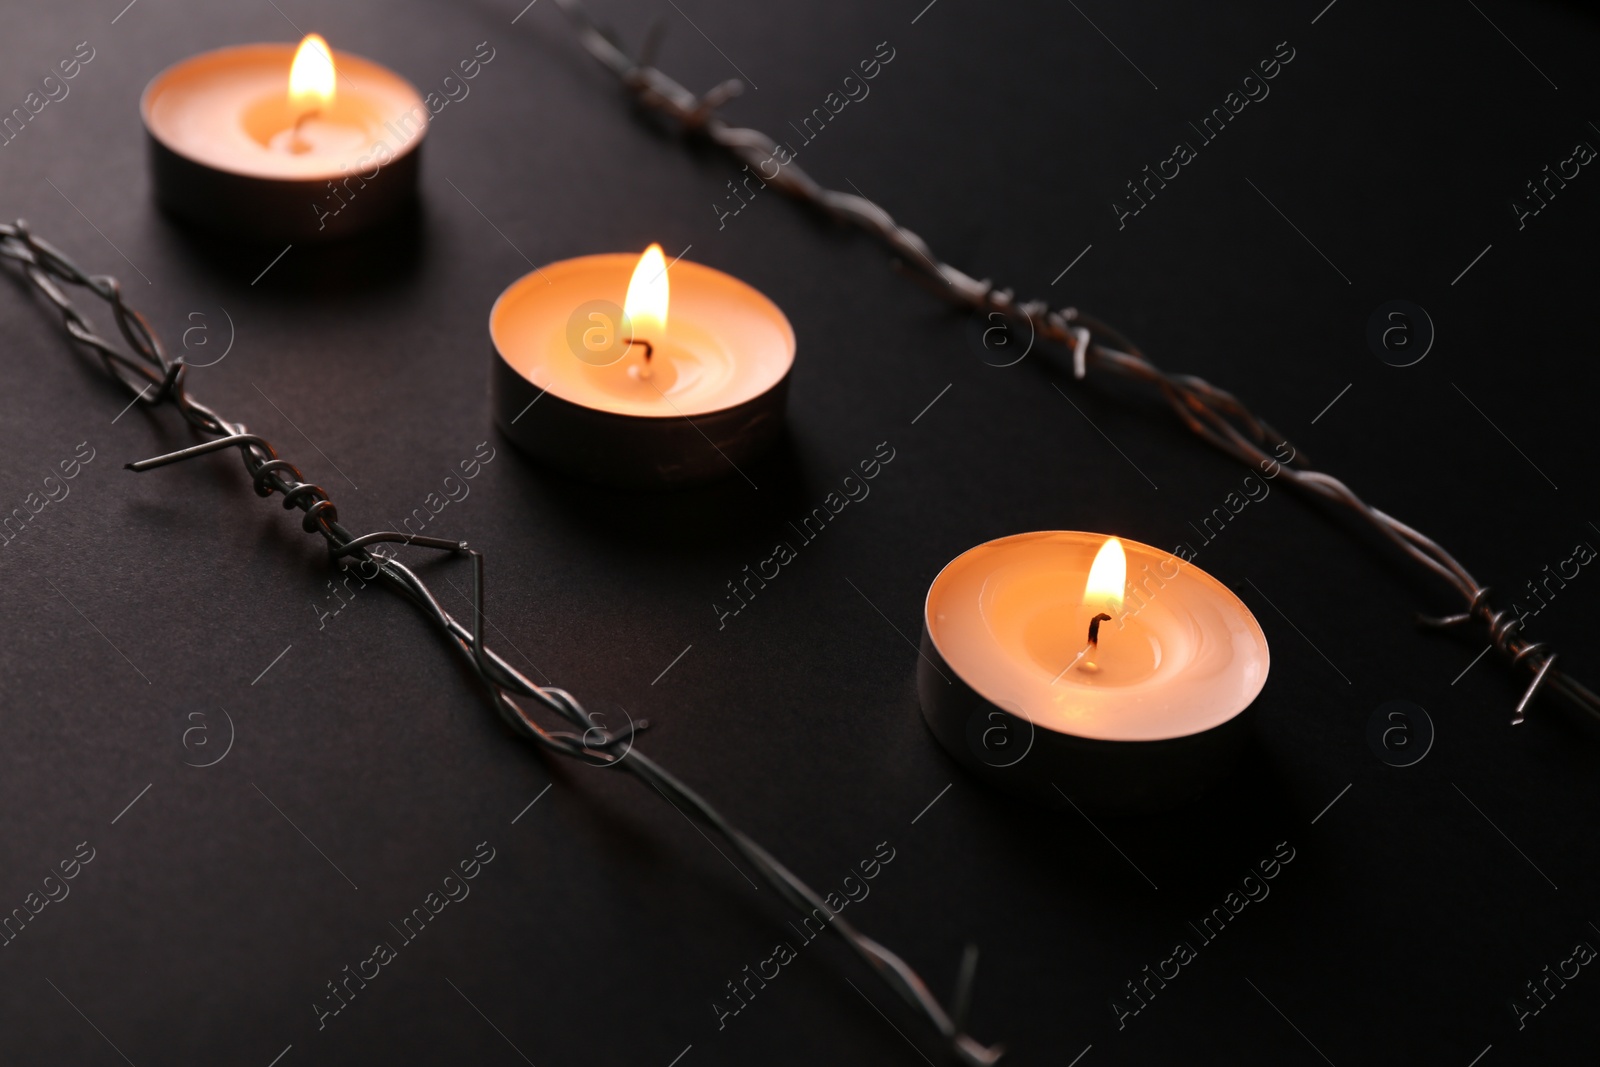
[(241, 148), (1066, 664), (592, 375)]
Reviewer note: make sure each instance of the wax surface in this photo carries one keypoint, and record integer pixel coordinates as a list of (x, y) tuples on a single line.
[(1184, 655), (230, 110), (725, 343)]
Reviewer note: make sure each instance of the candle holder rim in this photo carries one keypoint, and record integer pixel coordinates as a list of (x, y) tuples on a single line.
[(791, 344), (147, 95), (1017, 711)]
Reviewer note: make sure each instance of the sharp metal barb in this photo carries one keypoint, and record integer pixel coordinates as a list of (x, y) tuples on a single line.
[(1213, 414)]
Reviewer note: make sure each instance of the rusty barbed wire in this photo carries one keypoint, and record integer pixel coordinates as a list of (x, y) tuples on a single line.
[(150, 368), (1213, 414)]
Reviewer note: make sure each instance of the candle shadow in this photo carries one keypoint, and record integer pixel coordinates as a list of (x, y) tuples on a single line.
[(1189, 849), (386, 255), (1220, 833)]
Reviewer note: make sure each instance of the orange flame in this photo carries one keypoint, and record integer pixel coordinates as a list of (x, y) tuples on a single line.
[(311, 75), (646, 303), (1108, 578)]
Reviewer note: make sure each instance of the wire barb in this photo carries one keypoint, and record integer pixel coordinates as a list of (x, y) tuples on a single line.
[(1213, 414), (507, 688)]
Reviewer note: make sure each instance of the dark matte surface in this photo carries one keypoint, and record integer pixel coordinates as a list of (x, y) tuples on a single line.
[(206, 926)]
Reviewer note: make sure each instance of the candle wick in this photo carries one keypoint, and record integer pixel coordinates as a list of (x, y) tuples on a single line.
[(1094, 641), (297, 143), (649, 350)]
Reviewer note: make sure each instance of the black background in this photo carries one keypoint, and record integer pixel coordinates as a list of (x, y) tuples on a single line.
[(206, 926)]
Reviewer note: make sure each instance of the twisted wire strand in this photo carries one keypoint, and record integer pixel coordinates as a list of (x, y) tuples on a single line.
[(154, 379), (1211, 413)]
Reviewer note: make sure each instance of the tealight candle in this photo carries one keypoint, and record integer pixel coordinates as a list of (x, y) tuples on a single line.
[(277, 143), (1069, 664), (682, 382)]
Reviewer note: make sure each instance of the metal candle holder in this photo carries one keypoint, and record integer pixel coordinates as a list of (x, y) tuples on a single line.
[(670, 448), (627, 451), (276, 208)]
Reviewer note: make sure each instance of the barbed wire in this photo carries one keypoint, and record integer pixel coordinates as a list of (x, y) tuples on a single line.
[(1213, 414), (149, 368)]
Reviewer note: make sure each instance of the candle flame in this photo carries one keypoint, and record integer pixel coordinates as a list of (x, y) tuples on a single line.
[(646, 304), (1108, 578), (311, 75)]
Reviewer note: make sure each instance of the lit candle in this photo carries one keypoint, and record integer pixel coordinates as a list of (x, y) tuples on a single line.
[(1065, 663), (682, 382), (277, 143)]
